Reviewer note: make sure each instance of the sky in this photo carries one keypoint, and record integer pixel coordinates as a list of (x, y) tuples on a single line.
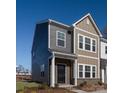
[(28, 12)]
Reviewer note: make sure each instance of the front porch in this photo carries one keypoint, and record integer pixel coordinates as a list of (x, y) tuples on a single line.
[(62, 70)]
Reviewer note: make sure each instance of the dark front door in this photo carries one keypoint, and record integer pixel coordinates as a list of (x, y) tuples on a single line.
[(61, 73)]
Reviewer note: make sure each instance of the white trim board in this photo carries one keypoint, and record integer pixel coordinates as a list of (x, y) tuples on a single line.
[(88, 57), (51, 20), (48, 35)]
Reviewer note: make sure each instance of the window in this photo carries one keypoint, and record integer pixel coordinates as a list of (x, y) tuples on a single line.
[(81, 42), (61, 39), (42, 70), (93, 45), (87, 43), (81, 71), (87, 71), (105, 49), (93, 71)]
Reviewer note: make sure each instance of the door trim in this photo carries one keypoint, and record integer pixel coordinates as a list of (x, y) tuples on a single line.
[(65, 73)]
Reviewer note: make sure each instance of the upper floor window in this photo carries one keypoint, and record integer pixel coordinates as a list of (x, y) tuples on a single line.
[(93, 45), (81, 42), (105, 49), (87, 43), (61, 39)]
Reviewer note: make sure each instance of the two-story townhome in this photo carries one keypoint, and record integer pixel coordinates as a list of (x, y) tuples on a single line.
[(63, 54), (103, 60)]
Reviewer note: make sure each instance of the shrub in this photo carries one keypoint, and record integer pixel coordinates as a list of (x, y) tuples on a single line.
[(100, 83), (83, 84)]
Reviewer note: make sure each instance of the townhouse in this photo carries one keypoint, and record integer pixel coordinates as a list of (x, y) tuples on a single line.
[(66, 55)]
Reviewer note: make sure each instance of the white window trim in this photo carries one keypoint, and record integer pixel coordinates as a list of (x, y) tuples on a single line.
[(60, 39), (84, 71), (84, 43)]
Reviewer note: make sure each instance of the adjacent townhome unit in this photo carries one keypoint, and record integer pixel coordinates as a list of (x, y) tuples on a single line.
[(103, 60), (66, 55)]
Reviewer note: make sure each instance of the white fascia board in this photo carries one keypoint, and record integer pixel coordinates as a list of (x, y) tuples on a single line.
[(51, 20), (58, 23)]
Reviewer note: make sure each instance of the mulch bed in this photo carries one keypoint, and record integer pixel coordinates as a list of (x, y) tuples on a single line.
[(49, 90), (91, 87)]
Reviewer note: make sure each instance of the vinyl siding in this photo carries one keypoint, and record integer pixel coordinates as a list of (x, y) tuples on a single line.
[(69, 42), (41, 54), (88, 27)]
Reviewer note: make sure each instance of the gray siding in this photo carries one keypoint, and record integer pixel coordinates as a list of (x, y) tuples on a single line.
[(69, 41), (40, 52)]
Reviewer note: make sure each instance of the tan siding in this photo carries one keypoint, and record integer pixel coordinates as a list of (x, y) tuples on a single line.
[(92, 81), (88, 27), (84, 60)]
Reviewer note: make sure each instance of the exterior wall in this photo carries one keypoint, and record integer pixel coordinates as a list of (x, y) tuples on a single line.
[(84, 56), (89, 61), (103, 61), (88, 27), (103, 54), (40, 53), (69, 42), (84, 52)]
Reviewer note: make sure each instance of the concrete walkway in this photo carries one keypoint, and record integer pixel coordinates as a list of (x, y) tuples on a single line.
[(81, 91)]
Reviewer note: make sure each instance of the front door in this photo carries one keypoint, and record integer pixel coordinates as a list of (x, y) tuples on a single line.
[(61, 73)]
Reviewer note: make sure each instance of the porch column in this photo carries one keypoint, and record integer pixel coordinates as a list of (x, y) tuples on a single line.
[(52, 80), (75, 72)]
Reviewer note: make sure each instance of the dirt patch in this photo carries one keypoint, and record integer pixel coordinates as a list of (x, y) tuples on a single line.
[(50, 90)]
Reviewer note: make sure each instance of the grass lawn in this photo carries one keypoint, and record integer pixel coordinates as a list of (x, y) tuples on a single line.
[(20, 86)]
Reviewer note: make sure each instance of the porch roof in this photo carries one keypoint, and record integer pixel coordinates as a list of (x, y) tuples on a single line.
[(65, 55)]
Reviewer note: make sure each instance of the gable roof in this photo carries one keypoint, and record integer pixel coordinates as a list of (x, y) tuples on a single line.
[(89, 15)]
